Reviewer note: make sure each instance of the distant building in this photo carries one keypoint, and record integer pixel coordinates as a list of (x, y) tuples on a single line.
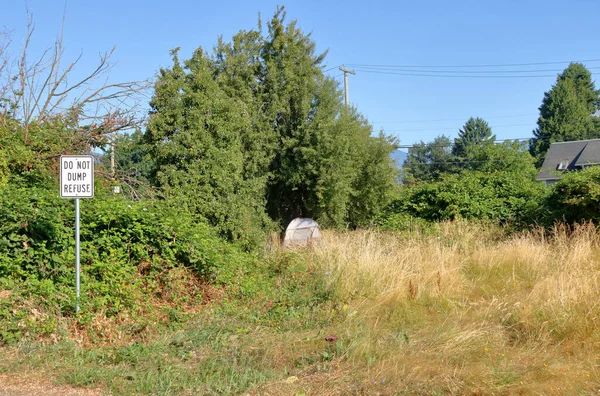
[(565, 157)]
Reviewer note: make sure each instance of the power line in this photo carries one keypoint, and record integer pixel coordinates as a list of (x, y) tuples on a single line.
[(457, 162), (452, 119), (330, 69), (401, 69), (454, 75), (475, 66), (430, 145), (466, 72), (449, 129)]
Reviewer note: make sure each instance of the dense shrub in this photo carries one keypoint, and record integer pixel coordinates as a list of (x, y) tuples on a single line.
[(36, 231), (500, 196), (126, 246), (575, 198)]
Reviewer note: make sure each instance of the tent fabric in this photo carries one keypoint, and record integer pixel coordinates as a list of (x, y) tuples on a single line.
[(301, 231)]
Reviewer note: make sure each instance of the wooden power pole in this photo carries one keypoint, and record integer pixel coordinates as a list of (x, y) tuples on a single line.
[(346, 72), (112, 155)]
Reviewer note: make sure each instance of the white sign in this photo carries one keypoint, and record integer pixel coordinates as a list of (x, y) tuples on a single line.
[(76, 176)]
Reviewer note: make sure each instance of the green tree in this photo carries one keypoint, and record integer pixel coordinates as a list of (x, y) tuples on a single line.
[(194, 139), (475, 132), (375, 182), (575, 198), (257, 128), (509, 156), (567, 112), (428, 161)]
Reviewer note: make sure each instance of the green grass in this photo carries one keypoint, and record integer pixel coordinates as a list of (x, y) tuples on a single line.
[(229, 346), (410, 315), (217, 355)]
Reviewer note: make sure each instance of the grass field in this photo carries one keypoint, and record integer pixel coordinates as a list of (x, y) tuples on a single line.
[(456, 309)]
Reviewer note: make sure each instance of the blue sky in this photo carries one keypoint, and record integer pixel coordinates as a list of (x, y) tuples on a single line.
[(425, 33)]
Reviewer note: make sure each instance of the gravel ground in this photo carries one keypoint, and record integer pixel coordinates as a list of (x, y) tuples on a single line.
[(13, 385)]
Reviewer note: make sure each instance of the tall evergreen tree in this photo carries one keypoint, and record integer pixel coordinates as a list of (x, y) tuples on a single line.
[(195, 140), (475, 132), (428, 161), (258, 129), (567, 112)]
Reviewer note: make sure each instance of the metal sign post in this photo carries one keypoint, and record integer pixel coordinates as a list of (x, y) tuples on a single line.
[(77, 264), (77, 181)]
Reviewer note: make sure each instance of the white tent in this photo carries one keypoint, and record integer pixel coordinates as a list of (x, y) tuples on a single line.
[(301, 232)]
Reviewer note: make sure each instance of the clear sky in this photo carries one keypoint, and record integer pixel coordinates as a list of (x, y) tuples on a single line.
[(413, 104)]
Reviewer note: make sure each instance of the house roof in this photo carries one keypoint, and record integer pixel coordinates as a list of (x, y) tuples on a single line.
[(590, 154), (572, 155)]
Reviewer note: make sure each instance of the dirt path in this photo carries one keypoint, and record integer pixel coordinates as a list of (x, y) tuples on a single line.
[(14, 385)]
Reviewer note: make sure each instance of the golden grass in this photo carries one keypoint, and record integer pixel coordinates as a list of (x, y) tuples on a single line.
[(466, 309), (458, 309)]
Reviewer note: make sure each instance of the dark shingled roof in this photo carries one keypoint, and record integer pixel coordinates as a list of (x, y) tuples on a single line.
[(576, 154), (590, 154)]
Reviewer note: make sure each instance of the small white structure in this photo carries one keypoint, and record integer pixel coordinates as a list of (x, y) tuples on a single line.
[(301, 232)]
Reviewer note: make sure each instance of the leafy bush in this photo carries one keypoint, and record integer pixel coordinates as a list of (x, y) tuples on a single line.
[(128, 249), (501, 196), (37, 235), (575, 198)]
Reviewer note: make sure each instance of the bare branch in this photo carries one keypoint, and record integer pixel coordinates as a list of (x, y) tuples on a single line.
[(134, 187), (102, 66), (5, 87), (41, 92)]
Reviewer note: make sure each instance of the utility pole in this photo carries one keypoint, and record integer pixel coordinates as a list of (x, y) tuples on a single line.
[(346, 71), (112, 155)]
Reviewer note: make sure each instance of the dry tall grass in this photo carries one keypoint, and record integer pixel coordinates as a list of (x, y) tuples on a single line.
[(465, 308)]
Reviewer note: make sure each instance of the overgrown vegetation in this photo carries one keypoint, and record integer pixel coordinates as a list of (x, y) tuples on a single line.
[(459, 308), (470, 277), (263, 136), (500, 196), (214, 172), (136, 257)]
